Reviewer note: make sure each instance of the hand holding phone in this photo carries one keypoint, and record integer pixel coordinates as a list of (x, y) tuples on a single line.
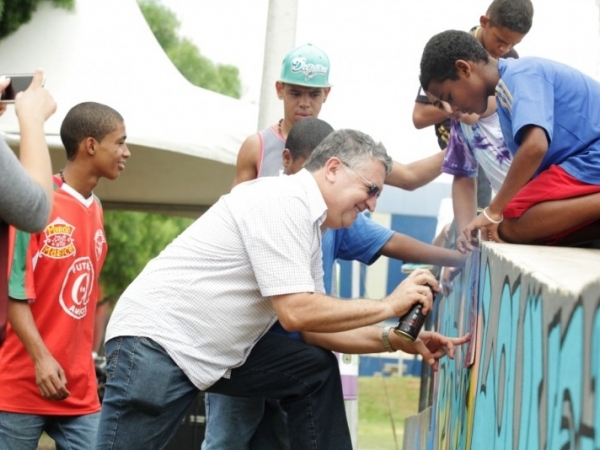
[(4, 82), (35, 99), (17, 83)]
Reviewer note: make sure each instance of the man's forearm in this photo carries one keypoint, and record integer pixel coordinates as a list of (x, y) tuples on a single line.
[(321, 313), (34, 153), (406, 248), (359, 341), (464, 201), (426, 114), (525, 162), (416, 174)]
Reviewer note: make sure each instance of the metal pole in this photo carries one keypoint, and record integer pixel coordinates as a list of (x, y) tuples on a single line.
[(279, 39)]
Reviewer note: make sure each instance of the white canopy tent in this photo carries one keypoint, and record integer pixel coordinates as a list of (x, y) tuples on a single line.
[(184, 139)]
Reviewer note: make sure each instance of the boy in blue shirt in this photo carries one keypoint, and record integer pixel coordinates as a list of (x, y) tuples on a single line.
[(551, 124)]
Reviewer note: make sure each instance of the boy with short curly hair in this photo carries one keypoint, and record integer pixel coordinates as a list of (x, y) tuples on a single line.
[(550, 123)]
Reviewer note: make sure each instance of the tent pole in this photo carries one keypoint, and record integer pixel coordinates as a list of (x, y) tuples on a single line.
[(280, 38)]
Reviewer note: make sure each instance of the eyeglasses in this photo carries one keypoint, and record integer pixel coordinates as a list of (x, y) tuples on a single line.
[(373, 188)]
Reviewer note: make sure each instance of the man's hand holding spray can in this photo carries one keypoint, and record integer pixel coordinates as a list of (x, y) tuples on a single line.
[(410, 324)]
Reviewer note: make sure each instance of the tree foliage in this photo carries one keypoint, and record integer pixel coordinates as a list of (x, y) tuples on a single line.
[(134, 239), (14, 13), (184, 54)]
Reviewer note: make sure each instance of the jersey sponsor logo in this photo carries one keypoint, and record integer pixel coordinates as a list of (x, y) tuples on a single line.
[(309, 70), (99, 241), (58, 241), (77, 288)]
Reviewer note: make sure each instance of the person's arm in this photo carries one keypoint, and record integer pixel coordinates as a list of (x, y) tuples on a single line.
[(430, 345), (425, 115), (26, 188), (33, 107), (416, 174), (442, 237), (308, 311), (464, 204), (406, 248), (526, 161), (246, 167), (24, 204), (49, 375)]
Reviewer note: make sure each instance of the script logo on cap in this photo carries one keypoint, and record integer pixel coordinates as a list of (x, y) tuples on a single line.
[(299, 65)]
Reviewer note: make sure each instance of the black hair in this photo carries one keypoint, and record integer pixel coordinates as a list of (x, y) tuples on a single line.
[(305, 135), (514, 15), (438, 62), (88, 119)]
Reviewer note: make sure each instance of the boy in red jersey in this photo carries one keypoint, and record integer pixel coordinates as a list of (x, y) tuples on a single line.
[(47, 372)]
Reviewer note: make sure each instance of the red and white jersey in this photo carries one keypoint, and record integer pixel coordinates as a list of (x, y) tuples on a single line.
[(57, 272)]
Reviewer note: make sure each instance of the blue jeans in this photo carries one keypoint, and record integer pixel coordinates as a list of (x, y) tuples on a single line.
[(147, 395), (236, 423), (23, 431)]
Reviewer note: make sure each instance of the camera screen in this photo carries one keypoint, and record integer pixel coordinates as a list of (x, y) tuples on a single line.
[(17, 84)]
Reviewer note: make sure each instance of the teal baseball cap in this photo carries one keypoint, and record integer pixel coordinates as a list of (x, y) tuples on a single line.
[(306, 65)]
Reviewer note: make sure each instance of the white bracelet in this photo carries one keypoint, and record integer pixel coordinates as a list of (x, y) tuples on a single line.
[(492, 220), (385, 332)]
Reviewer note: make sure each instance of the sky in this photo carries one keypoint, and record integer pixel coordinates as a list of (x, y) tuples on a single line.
[(375, 47)]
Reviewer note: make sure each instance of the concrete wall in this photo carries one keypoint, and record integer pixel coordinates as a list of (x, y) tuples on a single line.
[(528, 381)]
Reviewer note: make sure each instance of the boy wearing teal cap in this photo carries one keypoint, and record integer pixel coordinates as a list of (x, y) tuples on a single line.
[(304, 86)]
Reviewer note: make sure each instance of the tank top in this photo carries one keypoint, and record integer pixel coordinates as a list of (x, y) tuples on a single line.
[(272, 145)]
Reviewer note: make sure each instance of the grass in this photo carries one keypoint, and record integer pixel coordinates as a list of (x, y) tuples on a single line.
[(376, 396), (374, 424)]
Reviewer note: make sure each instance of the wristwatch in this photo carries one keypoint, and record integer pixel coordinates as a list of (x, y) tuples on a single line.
[(386, 340)]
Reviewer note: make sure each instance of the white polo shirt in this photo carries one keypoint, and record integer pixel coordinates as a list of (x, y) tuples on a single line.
[(205, 298)]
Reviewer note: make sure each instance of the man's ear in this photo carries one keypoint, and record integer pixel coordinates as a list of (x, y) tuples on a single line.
[(279, 87), (287, 158), (463, 67), (326, 92), (89, 145), (333, 167), (484, 21)]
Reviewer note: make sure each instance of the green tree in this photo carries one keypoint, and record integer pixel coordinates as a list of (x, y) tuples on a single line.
[(134, 238), (184, 54), (14, 13), (162, 21)]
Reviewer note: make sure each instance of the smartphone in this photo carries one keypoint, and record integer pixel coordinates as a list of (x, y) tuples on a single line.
[(17, 84)]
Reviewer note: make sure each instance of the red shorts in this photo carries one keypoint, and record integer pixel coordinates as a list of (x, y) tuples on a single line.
[(551, 184)]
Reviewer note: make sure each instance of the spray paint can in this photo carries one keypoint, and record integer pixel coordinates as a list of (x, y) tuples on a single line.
[(410, 324)]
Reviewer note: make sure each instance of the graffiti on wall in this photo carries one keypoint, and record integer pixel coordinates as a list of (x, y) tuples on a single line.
[(532, 384)]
